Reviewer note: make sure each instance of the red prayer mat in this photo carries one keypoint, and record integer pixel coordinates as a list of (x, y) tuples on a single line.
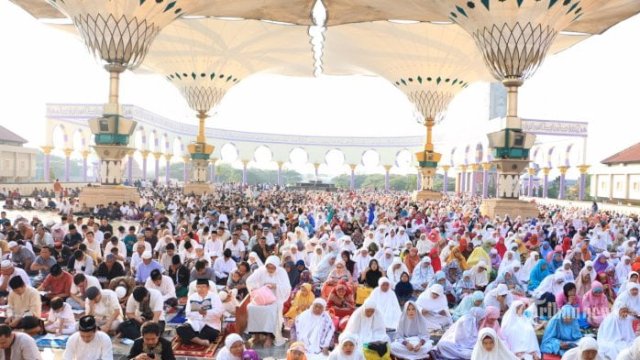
[(551, 357), (192, 350)]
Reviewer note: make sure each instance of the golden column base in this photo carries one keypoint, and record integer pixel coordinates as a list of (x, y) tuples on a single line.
[(198, 188), (105, 194), (513, 208), (426, 195)]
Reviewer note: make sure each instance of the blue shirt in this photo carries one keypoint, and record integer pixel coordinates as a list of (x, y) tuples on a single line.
[(145, 270)]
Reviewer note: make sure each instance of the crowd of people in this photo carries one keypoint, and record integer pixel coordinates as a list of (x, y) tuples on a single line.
[(338, 275)]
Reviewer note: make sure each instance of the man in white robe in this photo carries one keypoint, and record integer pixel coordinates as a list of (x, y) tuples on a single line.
[(88, 343), (263, 319)]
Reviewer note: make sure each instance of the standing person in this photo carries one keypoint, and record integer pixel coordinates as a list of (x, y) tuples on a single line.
[(268, 318), (203, 312), (151, 346), (88, 343), (17, 345)]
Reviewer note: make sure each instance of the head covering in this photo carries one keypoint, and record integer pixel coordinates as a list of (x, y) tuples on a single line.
[(121, 292), (499, 352), (585, 344), (338, 354), (87, 323)]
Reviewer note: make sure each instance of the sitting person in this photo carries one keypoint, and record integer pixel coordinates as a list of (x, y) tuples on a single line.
[(24, 306), (180, 276), (433, 305), (368, 323), (341, 305), (616, 332), (587, 349), (60, 320), (110, 268), (387, 302), (347, 348), (165, 285), (234, 349), (268, 319), (143, 305), (459, 340), (104, 306), (595, 304), (490, 346), (314, 328), (9, 271), (520, 332), (81, 283), (19, 345), (301, 302), (151, 345), (89, 342), (57, 283), (229, 302), (204, 314), (474, 300), (412, 337), (562, 333)]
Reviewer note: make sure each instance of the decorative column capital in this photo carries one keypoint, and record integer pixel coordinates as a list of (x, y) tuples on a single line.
[(353, 167), (46, 149), (213, 161), (563, 169), (584, 168), (446, 168), (145, 153), (546, 171), (131, 152), (463, 168), (486, 166), (387, 168), (475, 167), (245, 163), (157, 155), (85, 154), (316, 166), (531, 171), (68, 152), (168, 156), (280, 164), (186, 158)]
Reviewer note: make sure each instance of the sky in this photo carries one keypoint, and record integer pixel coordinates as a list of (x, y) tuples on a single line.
[(595, 81)]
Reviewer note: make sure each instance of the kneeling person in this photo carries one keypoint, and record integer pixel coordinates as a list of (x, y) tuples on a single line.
[(105, 307), (204, 311)]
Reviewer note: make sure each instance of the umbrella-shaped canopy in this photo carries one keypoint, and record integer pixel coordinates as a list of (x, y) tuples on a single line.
[(430, 63), (204, 58), (120, 32), (289, 11), (339, 12)]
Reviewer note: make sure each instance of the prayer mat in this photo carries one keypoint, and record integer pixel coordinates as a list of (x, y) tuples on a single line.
[(178, 319), (193, 350), (51, 341), (551, 357)]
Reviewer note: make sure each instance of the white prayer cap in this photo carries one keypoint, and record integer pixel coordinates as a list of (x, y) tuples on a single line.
[(12, 244), (606, 254), (223, 295), (147, 255), (121, 292), (6, 264)]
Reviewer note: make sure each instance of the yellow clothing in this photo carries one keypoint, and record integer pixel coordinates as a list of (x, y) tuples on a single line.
[(29, 303), (478, 255), (457, 255), (300, 302), (373, 355)]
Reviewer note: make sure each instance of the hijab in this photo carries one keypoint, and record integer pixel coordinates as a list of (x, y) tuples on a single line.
[(499, 352), (412, 327), (225, 353), (538, 274), (338, 354)]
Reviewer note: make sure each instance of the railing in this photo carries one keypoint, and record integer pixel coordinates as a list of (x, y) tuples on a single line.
[(619, 208)]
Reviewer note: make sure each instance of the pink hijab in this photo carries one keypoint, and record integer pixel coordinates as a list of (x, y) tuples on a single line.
[(492, 312)]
